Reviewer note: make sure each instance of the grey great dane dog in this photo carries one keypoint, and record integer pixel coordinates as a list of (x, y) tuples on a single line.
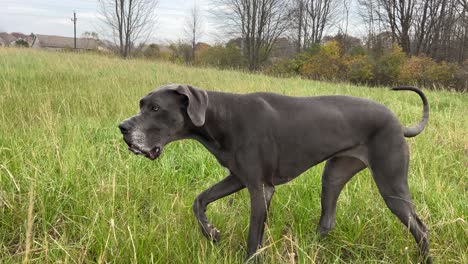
[(266, 139)]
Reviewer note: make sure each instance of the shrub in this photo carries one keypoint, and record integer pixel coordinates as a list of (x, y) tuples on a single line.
[(359, 69), (282, 68), (326, 64), (442, 74), (387, 68), (313, 49), (301, 59), (152, 52), (358, 50), (330, 49), (414, 70), (461, 77), (221, 57), (165, 55), (426, 72), (21, 43), (181, 52)]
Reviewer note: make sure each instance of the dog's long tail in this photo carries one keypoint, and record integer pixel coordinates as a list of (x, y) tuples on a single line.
[(415, 130)]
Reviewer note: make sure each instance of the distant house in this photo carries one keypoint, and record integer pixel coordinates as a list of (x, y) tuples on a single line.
[(6, 39), (201, 46), (165, 49), (58, 43), (10, 39)]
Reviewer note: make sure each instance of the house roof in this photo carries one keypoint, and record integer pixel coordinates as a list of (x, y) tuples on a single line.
[(66, 42), (18, 35), (163, 48), (201, 45), (7, 38)]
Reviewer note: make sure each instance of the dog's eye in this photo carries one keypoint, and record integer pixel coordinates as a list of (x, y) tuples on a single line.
[(155, 108)]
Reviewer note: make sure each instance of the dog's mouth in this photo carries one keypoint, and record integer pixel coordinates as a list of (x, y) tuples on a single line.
[(152, 154)]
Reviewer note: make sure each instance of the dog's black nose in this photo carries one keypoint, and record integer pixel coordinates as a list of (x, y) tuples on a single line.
[(124, 127)]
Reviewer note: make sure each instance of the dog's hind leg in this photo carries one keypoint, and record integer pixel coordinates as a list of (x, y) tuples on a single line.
[(338, 171), (389, 165)]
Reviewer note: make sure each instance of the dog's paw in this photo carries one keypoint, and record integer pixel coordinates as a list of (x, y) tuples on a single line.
[(211, 232), (323, 231)]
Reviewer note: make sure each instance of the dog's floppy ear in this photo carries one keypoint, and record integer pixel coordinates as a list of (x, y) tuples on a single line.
[(197, 103)]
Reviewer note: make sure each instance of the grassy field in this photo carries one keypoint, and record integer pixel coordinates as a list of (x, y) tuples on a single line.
[(70, 192)]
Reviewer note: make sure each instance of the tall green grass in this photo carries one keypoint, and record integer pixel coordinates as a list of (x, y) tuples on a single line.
[(70, 192)]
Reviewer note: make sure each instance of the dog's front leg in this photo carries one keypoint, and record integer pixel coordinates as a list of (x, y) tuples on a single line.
[(259, 202), (225, 187)]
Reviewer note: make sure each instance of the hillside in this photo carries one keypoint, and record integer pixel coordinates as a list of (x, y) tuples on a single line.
[(63, 158)]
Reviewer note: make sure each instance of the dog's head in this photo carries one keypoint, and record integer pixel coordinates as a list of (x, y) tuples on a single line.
[(166, 114)]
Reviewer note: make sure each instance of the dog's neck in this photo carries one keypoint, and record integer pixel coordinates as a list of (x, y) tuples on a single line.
[(212, 133)]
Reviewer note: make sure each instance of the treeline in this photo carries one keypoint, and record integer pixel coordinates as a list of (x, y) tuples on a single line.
[(433, 28), (423, 42), (392, 66), (341, 58)]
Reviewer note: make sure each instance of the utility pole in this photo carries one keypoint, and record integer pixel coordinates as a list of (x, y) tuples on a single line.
[(74, 26)]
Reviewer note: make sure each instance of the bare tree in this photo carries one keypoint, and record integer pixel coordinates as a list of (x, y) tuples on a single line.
[(368, 11), (259, 24), (321, 14), (448, 31), (298, 27), (194, 27), (310, 18), (436, 28), (129, 21), (439, 29), (424, 25), (90, 34), (346, 8), (399, 16), (463, 25)]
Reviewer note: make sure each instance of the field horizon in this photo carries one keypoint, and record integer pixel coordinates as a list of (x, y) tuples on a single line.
[(70, 192)]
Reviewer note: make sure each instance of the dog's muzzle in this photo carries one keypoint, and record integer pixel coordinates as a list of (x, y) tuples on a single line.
[(152, 154)]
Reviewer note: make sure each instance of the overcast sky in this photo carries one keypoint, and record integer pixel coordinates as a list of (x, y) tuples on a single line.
[(53, 17)]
